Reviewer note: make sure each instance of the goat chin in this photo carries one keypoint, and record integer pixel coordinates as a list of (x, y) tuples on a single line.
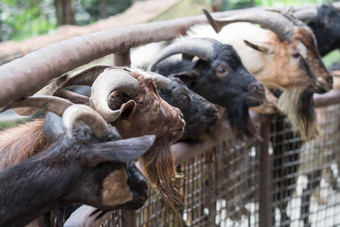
[(298, 106)]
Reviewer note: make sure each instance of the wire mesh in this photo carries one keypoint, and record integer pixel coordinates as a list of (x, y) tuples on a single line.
[(305, 174), (220, 187)]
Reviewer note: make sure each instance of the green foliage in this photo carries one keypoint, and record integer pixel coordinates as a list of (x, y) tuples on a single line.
[(20, 20), (331, 58)]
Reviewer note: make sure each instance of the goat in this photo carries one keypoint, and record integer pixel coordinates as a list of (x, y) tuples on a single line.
[(78, 167), (283, 56), (141, 112), (218, 75), (325, 24)]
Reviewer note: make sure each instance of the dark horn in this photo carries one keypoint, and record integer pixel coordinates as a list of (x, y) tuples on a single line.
[(110, 80), (200, 47), (281, 24), (306, 14)]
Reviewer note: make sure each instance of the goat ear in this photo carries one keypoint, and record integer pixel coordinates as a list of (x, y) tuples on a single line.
[(127, 110), (187, 76), (116, 151), (262, 47)]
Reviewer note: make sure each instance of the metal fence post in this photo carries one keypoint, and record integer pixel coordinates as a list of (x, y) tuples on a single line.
[(265, 176), (122, 58)]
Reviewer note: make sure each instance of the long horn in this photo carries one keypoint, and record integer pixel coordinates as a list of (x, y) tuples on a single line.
[(160, 81), (281, 24), (306, 15), (86, 114), (107, 82), (73, 96), (66, 109), (201, 47), (86, 77), (50, 103)]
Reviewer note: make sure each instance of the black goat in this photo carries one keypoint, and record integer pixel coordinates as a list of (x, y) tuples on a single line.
[(325, 23), (218, 75), (197, 111), (94, 170)]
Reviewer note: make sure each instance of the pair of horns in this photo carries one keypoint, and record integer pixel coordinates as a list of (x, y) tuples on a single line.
[(203, 48), (118, 79), (104, 81), (69, 112), (282, 24)]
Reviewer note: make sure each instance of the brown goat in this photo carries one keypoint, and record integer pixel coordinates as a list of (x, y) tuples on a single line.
[(282, 54), (141, 113)]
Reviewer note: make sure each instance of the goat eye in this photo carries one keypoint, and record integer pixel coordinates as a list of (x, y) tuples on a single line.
[(327, 22), (221, 71), (295, 55), (183, 99)]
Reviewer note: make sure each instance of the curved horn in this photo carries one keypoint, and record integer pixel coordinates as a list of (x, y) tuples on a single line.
[(50, 103), (86, 77), (70, 112), (306, 14), (160, 81), (281, 24), (200, 47), (107, 82), (86, 114)]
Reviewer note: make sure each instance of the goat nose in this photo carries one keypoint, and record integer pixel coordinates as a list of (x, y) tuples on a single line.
[(257, 89), (211, 112), (329, 80)]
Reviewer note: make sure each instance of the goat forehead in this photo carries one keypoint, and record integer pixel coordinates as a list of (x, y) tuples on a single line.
[(306, 36)]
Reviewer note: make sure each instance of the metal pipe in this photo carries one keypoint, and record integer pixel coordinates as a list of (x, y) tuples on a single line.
[(129, 218), (122, 59), (265, 176)]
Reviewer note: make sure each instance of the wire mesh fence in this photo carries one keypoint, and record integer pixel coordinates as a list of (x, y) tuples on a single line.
[(220, 187)]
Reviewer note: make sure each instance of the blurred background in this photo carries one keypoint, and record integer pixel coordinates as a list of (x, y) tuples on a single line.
[(23, 19)]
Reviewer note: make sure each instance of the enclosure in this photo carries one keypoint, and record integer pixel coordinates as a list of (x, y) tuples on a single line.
[(282, 181)]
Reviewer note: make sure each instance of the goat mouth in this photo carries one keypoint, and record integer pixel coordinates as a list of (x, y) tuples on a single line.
[(320, 90), (254, 101), (209, 121)]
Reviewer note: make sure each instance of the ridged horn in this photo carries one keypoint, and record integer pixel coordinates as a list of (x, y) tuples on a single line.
[(107, 82), (86, 77), (281, 24), (306, 14), (79, 112), (160, 81), (68, 111), (201, 47), (50, 103)]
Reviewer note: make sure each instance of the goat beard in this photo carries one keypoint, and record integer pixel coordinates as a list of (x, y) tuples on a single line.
[(159, 168), (298, 106), (240, 122)]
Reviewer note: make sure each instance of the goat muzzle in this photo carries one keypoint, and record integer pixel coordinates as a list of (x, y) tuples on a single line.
[(323, 85), (257, 94)]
